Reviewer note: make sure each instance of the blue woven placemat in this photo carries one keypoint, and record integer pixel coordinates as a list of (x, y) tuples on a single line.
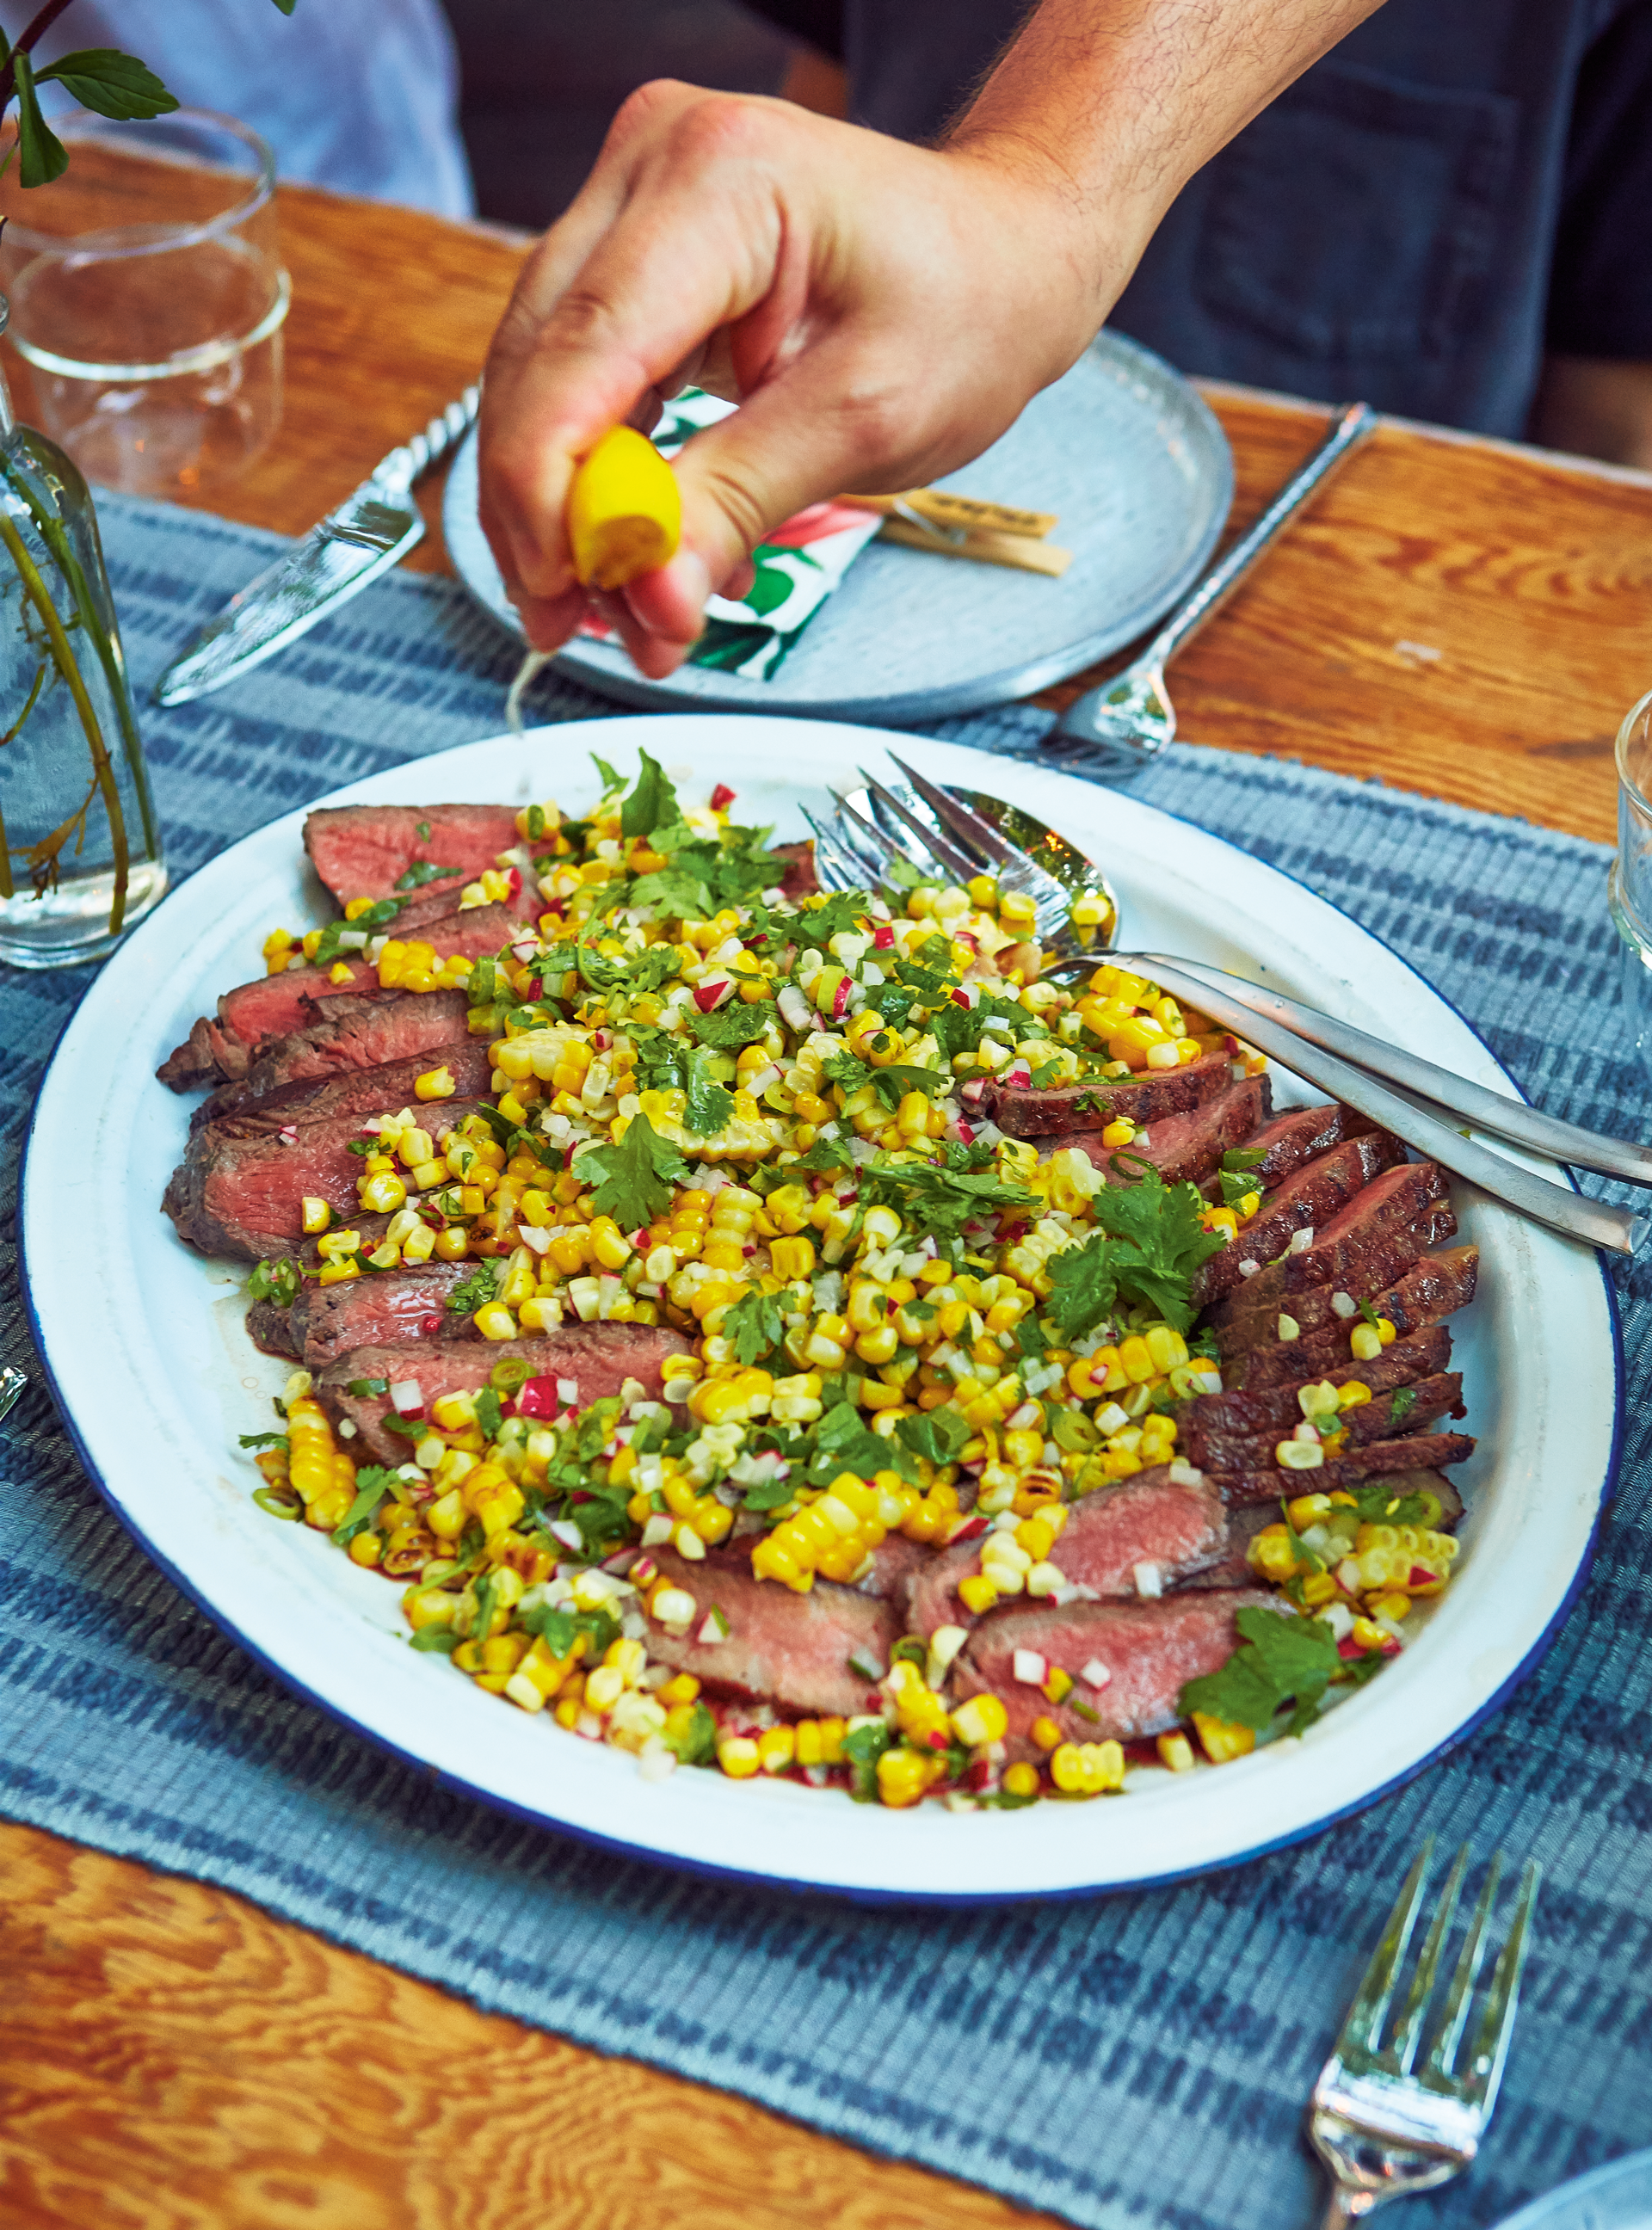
[(1140, 2060)]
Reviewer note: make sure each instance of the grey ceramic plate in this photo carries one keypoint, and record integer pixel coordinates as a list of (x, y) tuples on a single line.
[(1122, 448), (1616, 2197)]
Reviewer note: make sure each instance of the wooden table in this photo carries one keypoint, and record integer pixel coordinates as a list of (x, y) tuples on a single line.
[(1459, 617)]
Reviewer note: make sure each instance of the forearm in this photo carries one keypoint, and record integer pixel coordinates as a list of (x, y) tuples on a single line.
[(1117, 103)]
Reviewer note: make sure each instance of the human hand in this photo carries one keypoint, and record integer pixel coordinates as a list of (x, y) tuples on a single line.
[(881, 312)]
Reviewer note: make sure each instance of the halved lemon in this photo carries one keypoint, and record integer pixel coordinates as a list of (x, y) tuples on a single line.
[(624, 513)]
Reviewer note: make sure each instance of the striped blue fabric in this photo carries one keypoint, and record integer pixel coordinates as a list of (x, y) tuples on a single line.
[(1140, 2059)]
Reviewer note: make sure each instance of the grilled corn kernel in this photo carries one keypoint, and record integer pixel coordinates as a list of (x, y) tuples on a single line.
[(1223, 1739), (317, 1213), (982, 1719)]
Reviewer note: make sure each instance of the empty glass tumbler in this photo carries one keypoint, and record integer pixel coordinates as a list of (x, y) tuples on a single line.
[(79, 848), (1629, 885), (147, 299)]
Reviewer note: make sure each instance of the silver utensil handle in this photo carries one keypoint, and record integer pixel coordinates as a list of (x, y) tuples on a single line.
[(1573, 1214), (1488, 1111), (395, 473), (1354, 425)]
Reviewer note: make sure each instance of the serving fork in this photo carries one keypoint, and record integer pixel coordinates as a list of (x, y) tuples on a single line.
[(1385, 2127), (942, 832)]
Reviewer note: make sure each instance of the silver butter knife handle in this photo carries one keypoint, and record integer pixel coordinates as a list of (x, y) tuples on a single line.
[(395, 473), (1354, 425), (1488, 1111)]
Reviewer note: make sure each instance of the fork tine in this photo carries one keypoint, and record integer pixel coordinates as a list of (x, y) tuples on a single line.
[(872, 847), (1363, 2026), (830, 856), (974, 834), (1403, 2051), (1454, 2014), (942, 852), (1485, 2070)]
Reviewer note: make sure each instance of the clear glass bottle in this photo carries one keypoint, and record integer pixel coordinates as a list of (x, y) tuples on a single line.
[(1628, 886), (81, 854)]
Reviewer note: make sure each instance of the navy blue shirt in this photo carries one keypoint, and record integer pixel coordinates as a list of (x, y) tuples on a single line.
[(1457, 184)]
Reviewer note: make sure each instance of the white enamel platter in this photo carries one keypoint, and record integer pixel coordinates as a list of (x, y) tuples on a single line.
[(1122, 448), (153, 1368)]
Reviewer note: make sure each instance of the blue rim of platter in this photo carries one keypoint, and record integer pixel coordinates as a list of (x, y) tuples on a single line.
[(712, 1870)]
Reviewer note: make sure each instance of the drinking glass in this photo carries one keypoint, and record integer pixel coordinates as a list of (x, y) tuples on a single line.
[(147, 299), (1630, 884)]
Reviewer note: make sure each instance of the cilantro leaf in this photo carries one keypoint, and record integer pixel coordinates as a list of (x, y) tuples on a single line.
[(710, 1104), (634, 1179), (560, 1629), (671, 892), (1377, 1504), (264, 1440), (756, 1324), (422, 830), (817, 925), (1400, 1406), (843, 1443), (729, 1028), (891, 1084), (652, 803), (698, 1740), (372, 1485), (940, 1197), (938, 1435), (365, 1388), (1244, 1158), (825, 1154), (441, 1638), (1235, 1187), (489, 1415), (1279, 1660), (612, 779), (1151, 1242), (476, 1290)]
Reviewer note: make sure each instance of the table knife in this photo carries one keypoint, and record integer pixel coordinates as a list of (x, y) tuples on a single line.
[(369, 532)]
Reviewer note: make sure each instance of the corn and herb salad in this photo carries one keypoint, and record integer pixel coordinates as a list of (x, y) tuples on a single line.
[(755, 1121)]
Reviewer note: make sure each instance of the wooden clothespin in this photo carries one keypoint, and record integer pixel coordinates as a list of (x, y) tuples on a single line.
[(968, 526)]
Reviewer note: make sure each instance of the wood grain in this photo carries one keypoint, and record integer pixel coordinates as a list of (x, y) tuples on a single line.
[(1459, 618), (173, 2058)]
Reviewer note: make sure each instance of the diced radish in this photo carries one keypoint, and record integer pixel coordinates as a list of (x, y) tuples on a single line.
[(1419, 1576), (966, 1136), (530, 1236), (431, 1325), (1096, 1675), (708, 996), (715, 1627), (525, 949), (840, 998), (1300, 1241), (793, 1008), (289, 1134), (883, 937), (970, 1530), (406, 1397), (1249, 1269), (960, 998), (1029, 1668), (1349, 1647), (514, 879), (722, 796), (567, 1533), (1149, 1582), (537, 1398), (568, 1393), (1017, 1073)]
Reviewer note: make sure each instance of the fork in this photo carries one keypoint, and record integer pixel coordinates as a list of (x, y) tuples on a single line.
[(857, 846), (1384, 2128)]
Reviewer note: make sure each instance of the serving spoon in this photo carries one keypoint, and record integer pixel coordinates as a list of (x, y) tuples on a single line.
[(941, 832)]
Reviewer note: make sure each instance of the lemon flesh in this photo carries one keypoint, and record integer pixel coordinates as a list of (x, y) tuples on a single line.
[(624, 514)]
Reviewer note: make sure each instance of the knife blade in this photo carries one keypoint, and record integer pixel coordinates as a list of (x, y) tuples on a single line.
[(371, 531)]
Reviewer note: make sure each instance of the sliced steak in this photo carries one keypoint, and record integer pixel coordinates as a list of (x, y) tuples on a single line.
[(1426, 1295), (1150, 1522), (364, 851), (1300, 1135), (799, 880), (1376, 1459), (1309, 1198), (1403, 1409), (240, 1187), (1238, 1327), (1391, 1205), (1145, 1097), (1150, 1649), (1179, 1146), (274, 1006), (357, 1092), (391, 1308), (1275, 1407), (350, 1032), (596, 1358), (789, 1650)]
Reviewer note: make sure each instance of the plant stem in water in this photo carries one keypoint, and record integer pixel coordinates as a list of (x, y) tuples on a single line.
[(63, 658)]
